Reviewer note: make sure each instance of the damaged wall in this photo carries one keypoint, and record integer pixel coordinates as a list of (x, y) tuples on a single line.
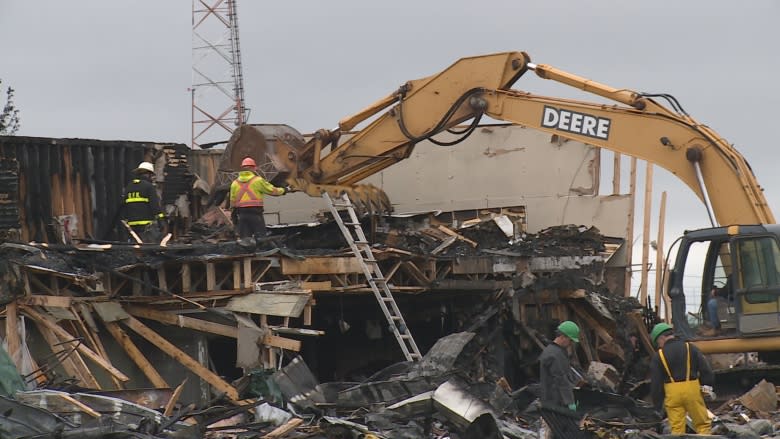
[(498, 166), (48, 185)]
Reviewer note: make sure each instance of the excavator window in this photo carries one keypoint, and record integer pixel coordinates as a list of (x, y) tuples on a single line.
[(759, 268)]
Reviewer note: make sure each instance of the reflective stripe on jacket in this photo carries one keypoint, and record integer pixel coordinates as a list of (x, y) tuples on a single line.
[(248, 189), (246, 197), (141, 205)]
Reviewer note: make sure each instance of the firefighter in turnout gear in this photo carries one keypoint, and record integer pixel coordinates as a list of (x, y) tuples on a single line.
[(141, 204), (246, 200), (677, 373)]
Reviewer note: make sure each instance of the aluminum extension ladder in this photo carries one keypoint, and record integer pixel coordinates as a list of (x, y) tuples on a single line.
[(353, 233)]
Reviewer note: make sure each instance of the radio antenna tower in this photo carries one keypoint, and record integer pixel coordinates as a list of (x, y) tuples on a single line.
[(217, 79)]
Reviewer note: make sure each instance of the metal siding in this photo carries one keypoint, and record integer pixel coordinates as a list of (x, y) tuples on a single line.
[(83, 177)]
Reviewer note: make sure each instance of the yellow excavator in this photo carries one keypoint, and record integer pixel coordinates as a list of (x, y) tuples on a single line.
[(742, 256)]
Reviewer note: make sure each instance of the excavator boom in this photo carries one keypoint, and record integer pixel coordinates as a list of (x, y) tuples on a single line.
[(635, 124)]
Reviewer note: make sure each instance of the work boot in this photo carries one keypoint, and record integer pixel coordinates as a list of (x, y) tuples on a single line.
[(247, 243)]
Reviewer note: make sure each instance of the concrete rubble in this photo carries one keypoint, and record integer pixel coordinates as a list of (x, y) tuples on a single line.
[(88, 323)]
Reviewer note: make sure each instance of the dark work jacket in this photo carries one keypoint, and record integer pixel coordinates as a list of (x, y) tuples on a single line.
[(674, 351), (141, 188), (557, 383)]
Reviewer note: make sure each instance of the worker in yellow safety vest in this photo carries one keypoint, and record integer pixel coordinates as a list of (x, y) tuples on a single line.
[(246, 200), (677, 373), (141, 205)]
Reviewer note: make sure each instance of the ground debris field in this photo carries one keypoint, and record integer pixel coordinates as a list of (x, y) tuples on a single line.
[(208, 337)]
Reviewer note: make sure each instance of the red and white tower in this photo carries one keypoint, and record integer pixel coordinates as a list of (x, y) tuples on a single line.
[(217, 79)]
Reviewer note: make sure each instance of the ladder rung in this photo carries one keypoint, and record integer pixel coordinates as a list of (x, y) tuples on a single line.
[(388, 299), (342, 204), (361, 242), (352, 224), (370, 261), (396, 317), (406, 336), (378, 280)]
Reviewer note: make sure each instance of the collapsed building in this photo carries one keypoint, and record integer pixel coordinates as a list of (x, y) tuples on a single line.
[(481, 258)]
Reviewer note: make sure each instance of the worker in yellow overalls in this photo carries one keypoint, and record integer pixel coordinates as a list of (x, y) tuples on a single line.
[(678, 371)]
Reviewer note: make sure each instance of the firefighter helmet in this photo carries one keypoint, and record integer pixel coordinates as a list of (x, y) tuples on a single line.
[(144, 167)]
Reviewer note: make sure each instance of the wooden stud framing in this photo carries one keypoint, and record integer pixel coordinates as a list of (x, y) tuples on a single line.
[(12, 332), (162, 280), (211, 277), (236, 275), (659, 254), (630, 232), (186, 278), (646, 233), (247, 262)]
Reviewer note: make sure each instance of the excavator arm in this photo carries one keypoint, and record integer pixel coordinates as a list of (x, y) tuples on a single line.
[(634, 124)]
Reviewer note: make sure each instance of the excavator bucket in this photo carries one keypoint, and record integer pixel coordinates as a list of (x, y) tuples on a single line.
[(274, 147)]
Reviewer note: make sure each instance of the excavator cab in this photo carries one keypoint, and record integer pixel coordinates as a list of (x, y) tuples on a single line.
[(742, 265)]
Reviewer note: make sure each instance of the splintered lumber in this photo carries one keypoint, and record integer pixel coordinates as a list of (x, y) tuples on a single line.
[(182, 321), (49, 322), (136, 355), (284, 428), (447, 242), (174, 398), (450, 232), (180, 356)]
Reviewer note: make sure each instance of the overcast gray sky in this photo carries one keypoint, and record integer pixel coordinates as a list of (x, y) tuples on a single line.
[(110, 69)]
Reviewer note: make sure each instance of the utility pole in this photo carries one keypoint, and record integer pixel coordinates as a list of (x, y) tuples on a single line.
[(217, 79)]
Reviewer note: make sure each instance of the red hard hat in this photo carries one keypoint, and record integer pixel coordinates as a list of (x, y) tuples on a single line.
[(248, 162)]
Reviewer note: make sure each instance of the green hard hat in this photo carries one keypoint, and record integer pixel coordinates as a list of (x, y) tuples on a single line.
[(658, 330), (571, 330)]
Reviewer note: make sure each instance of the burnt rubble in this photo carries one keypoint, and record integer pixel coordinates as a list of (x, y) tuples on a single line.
[(482, 296)]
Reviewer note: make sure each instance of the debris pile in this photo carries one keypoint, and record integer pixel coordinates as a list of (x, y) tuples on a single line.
[(477, 378)]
